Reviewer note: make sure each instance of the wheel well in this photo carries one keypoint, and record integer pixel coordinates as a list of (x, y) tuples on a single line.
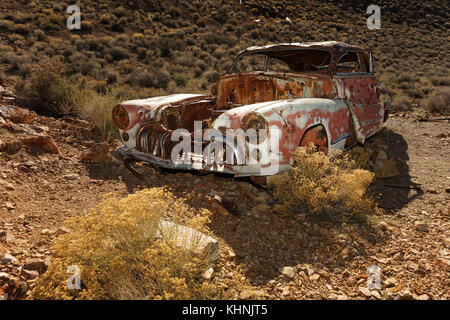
[(316, 134)]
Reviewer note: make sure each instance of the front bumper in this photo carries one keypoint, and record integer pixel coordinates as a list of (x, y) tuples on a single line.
[(235, 170)]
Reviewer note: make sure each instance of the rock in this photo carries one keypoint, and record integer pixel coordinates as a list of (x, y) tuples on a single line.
[(62, 230), (8, 258), (12, 147), (29, 274), (71, 176), (6, 278), (5, 184), (216, 204), (208, 274), (390, 282), (17, 115), (10, 206), (247, 294), (423, 297), (97, 153), (261, 208), (285, 291), (376, 294), (288, 272), (342, 297), (413, 266), (189, 239), (421, 226), (44, 142), (314, 277), (405, 294), (382, 155), (386, 168), (7, 236), (365, 291), (38, 265)]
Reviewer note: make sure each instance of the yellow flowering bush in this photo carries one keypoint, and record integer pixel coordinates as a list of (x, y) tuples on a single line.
[(315, 184), (119, 256)]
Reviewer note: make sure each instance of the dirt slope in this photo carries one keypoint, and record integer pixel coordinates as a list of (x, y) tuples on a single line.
[(411, 245)]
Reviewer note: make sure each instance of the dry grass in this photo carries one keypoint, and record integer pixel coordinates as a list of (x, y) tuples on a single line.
[(134, 41), (319, 186), (114, 246)]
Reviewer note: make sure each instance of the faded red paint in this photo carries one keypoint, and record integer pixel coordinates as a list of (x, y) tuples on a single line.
[(331, 109)]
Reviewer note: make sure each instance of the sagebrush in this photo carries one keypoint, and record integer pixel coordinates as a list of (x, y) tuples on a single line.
[(318, 185), (115, 248)]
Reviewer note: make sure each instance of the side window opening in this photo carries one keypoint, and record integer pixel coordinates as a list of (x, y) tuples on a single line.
[(348, 63)]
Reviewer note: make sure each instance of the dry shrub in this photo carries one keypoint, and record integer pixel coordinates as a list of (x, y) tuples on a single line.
[(47, 91), (115, 248), (319, 186), (97, 108), (439, 102)]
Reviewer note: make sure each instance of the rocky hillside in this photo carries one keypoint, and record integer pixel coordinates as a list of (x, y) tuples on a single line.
[(141, 48)]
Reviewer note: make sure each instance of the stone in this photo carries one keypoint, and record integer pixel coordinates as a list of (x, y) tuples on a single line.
[(97, 153), (365, 291), (17, 115), (12, 147), (71, 176), (189, 239), (10, 206), (423, 297), (5, 184), (208, 273), (217, 205), (29, 274), (10, 238), (382, 155), (386, 168), (38, 265), (314, 277), (62, 230), (261, 208), (405, 294), (288, 272), (413, 266), (390, 282), (342, 297), (421, 226), (44, 142), (6, 278), (8, 258)]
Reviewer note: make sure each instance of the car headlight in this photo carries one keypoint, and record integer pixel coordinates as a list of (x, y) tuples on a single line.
[(120, 117), (254, 121)]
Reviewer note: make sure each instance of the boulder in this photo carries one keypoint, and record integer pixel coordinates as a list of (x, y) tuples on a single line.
[(189, 239), (38, 265), (97, 153), (17, 115), (386, 168)]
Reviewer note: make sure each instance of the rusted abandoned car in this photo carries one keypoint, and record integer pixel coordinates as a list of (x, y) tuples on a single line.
[(324, 93)]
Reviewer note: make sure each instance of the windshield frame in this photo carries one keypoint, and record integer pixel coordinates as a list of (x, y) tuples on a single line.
[(265, 52)]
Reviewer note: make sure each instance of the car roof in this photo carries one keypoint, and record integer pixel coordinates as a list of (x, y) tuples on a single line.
[(326, 45)]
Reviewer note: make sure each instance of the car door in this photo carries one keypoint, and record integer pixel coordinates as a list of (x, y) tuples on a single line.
[(357, 87)]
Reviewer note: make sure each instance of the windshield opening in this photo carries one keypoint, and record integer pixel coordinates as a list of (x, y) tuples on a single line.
[(306, 60)]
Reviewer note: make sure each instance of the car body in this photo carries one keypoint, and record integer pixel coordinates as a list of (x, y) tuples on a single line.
[(323, 92)]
